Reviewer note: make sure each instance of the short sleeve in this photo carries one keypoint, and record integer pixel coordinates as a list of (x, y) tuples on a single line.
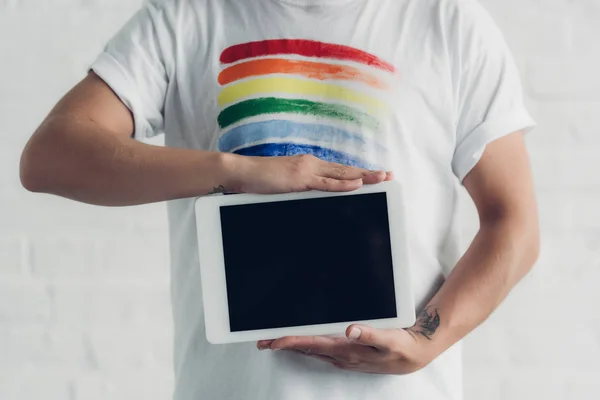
[(137, 64), (489, 100)]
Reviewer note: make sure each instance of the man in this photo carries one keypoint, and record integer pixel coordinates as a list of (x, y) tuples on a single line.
[(345, 93)]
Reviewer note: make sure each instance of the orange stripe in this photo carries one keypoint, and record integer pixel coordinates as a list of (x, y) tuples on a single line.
[(309, 69)]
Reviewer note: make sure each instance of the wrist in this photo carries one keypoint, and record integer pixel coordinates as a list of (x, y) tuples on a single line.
[(231, 167), (435, 330)]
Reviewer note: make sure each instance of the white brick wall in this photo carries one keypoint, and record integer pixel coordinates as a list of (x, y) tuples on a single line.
[(84, 311)]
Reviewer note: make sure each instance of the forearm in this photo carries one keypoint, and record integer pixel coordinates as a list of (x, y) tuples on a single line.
[(502, 252), (78, 159)]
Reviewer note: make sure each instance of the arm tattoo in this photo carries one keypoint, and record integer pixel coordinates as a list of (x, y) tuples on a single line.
[(218, 189), (427, 323)]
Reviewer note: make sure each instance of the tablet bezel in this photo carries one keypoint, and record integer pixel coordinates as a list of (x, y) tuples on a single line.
[(212, 265)]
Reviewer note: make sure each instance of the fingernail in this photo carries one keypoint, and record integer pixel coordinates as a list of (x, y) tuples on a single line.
[(354, 333)]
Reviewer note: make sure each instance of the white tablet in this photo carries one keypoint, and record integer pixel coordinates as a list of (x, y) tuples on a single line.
[(306, 263)]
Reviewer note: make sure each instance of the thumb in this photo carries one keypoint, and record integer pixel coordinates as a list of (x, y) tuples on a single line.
[(383, 339), (380, 338)]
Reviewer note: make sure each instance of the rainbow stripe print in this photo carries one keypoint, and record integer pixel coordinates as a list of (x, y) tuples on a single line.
[(289, 96)]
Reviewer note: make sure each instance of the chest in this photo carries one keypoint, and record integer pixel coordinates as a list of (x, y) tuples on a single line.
[(354, 88)]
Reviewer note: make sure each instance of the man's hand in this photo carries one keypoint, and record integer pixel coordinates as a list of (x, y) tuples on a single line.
[(370, 350), (502, 252), (84, 150), (268, 175)]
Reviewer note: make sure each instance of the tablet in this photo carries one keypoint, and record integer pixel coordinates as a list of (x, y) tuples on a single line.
[(308, 263)]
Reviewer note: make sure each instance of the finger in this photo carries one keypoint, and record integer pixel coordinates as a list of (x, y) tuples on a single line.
[(264, 344), (318, 345), (373, 177), (325, 184), (339, 349), (341, 171), (347, 172), (382, 339), (389, 176)]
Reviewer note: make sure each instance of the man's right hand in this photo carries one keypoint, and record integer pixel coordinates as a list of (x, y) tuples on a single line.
[(297, 173)]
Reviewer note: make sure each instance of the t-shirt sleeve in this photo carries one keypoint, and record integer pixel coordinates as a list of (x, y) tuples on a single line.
[(137, 64), (490, 96)]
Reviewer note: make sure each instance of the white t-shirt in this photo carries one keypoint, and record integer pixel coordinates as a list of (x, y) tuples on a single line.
[(418, 87)]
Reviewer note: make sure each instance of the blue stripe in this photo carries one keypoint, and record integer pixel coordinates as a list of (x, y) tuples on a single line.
[(282, 129), (291, 149)]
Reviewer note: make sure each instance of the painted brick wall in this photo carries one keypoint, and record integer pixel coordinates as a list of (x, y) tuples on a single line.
[(84, 302)]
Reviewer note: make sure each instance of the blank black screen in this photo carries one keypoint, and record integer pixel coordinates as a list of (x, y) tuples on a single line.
[(308, 262)]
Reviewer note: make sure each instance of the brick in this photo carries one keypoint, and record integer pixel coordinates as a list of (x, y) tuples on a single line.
[(9, 167), (13, 256), (552, 128), (71, 257), (547, 36), (89, 306), (7, 4), (487, 345), (563, 77), (583, 18), (117, 258), (43, 216), (34, 385), (483, 382), (139, 349), (551, 42), (45, 347), (529, 350), (549, 167), (41, 346), (565, 167), (144, 257), (150, 385), (24, 303), (149, 219), (584, 204), (584, 122), (565, 74), (557, 383), (582, 168), (555, 211), (122, 7)]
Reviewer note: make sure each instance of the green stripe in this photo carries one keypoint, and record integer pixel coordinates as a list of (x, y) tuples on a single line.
[(273, 105)]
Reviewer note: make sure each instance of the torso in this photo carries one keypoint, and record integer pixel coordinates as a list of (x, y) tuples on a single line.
[(348, 83)]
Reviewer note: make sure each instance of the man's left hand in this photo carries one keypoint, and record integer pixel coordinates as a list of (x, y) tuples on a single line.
[(364, 349)]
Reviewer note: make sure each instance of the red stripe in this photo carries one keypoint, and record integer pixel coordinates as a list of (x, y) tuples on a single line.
[(307, 48)]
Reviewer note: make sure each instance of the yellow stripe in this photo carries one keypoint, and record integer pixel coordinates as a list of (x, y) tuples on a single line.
[(263, 86)]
